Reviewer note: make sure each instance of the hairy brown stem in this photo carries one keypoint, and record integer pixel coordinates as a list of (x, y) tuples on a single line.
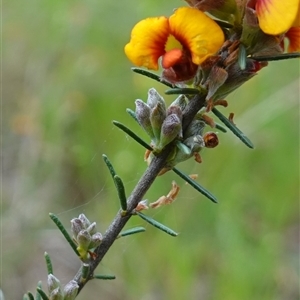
[(157, 164)]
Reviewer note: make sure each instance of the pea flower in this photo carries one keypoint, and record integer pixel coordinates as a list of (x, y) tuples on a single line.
[(279, 19), (276, 16), (183, 41)]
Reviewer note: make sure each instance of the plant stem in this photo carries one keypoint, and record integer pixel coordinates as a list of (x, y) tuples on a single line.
[(157, 164)]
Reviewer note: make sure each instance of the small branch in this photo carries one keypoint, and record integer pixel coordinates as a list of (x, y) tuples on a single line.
[(157, 164)]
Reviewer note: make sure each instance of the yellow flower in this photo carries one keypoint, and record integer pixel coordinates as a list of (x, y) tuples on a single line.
[(277, 16), (187, 33)]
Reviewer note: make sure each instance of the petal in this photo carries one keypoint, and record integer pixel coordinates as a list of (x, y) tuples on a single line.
[(171, 58), (148, 38), (297, 19), (293, 35), (197, 32), (276, 16)]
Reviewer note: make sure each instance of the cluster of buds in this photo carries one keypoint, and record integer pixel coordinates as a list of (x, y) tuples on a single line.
[(164, 126), (85, 235), (56, 292)]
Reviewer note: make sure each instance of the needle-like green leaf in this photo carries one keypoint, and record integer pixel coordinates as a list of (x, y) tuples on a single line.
[(121, 192), (152, 76), (196, 185), (131, 231), (48, 263), (109, 166), (132, 134), (42, 294), (104, 277), (157, 224), (182, 91), (62, 229), (233, 128), (277, 57)]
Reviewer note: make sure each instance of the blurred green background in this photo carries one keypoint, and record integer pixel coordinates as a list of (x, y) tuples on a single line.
[(65, 78)]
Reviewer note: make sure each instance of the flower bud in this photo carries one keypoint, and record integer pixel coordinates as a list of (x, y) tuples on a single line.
[(85, 221), (175, 109), (76, 226), (180, 101), (170, 129), (92, 228), (83, 240), (56, 294), (157, 117), (52, 283), (96, 240), (142, 111), (71, 290), (154, 97)]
